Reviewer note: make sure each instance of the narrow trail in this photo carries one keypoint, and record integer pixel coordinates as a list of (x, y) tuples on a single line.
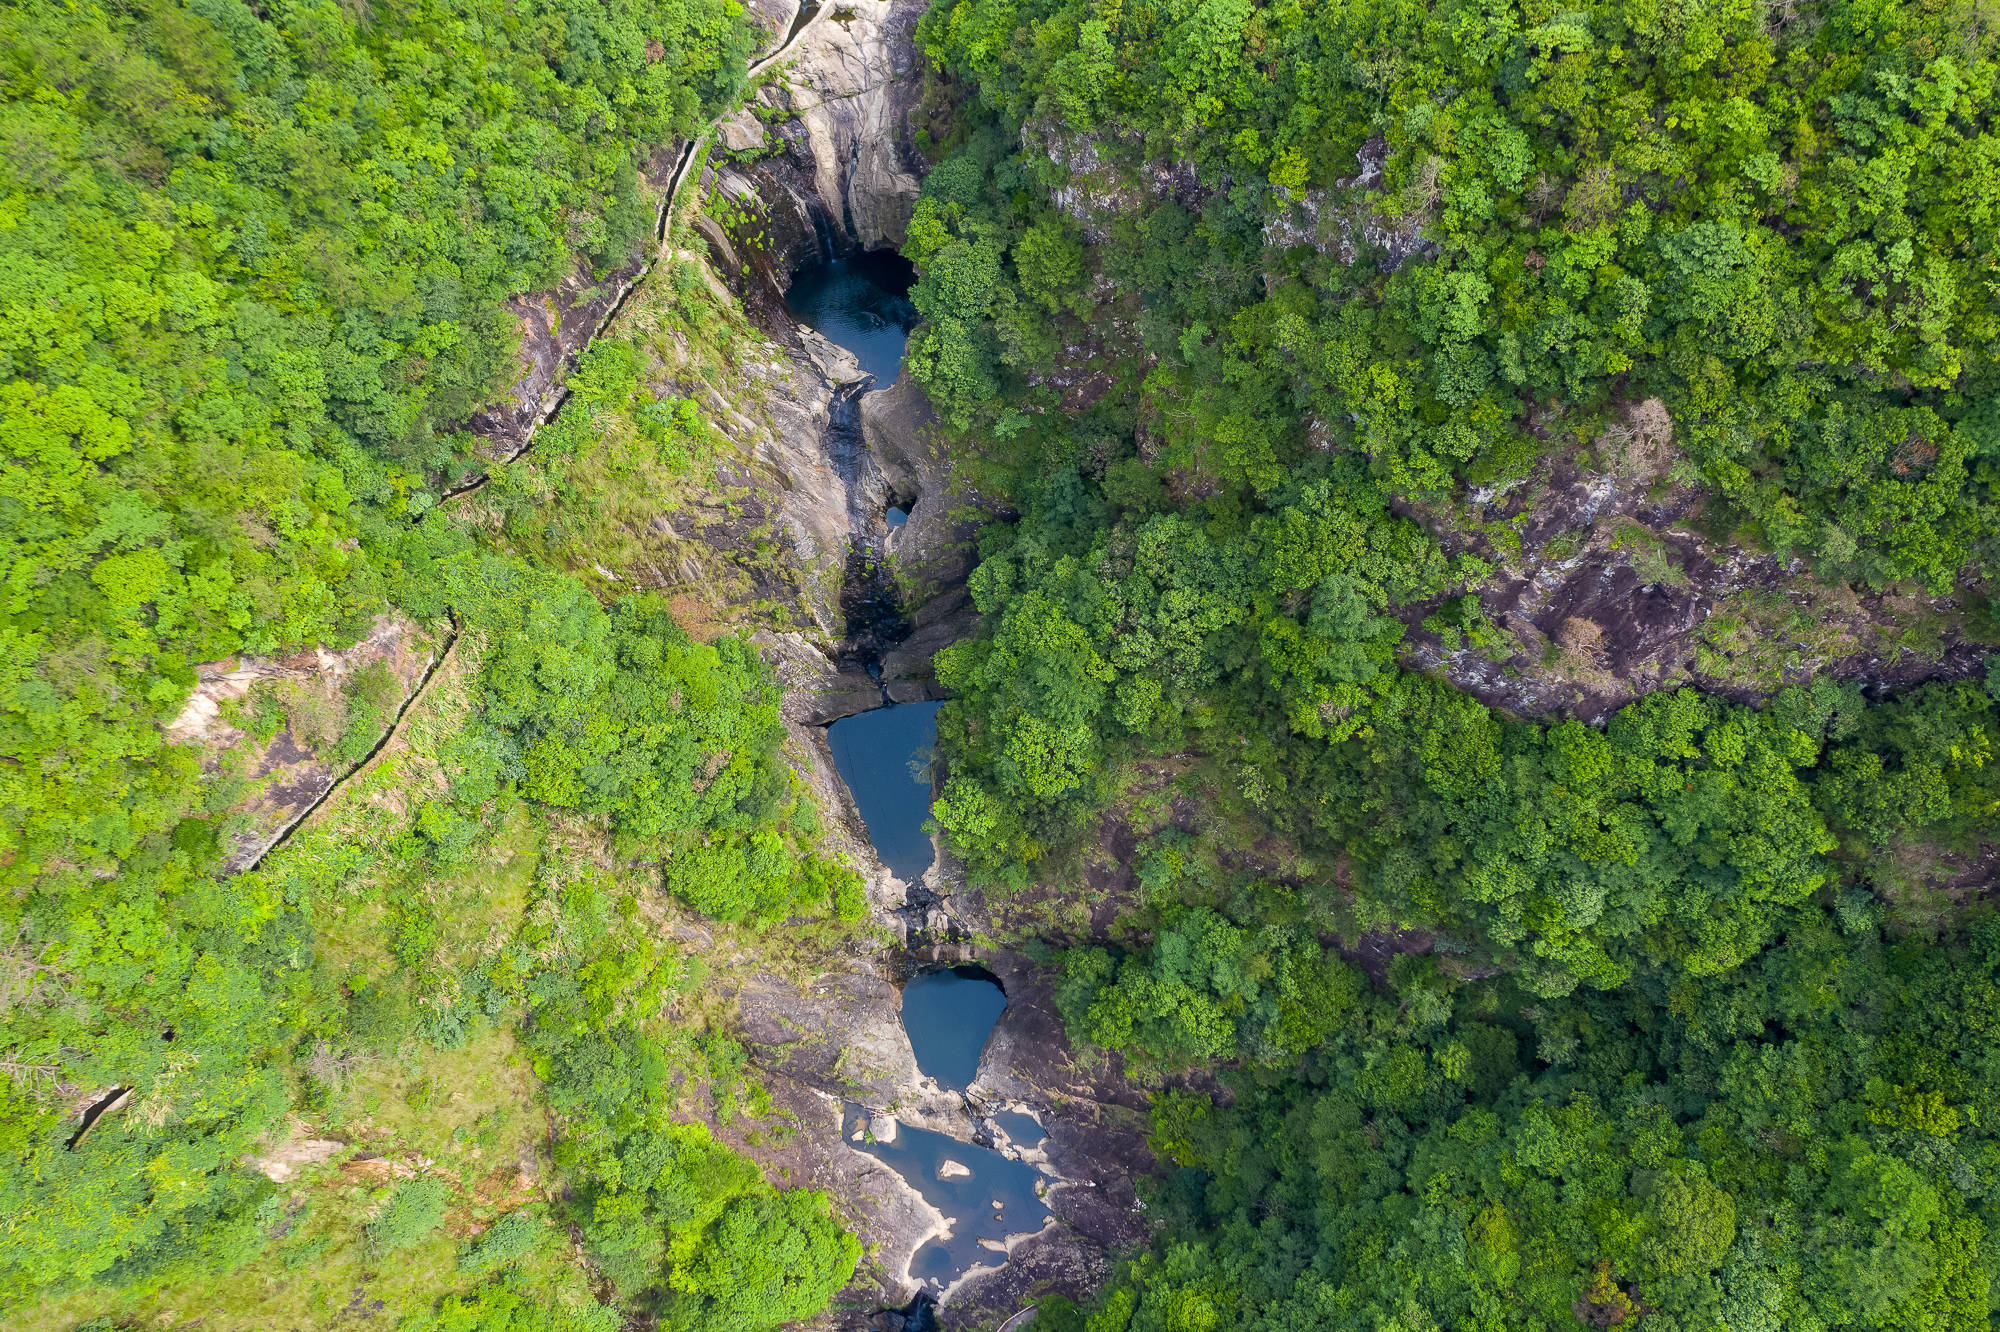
[(395, 728), (693, 160)]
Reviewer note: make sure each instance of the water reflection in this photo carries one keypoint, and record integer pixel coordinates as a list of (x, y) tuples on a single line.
[(884, 756), (948, 1015), (861, 303)]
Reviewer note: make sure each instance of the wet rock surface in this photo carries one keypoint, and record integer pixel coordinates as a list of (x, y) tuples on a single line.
[(932, 552), (838, 1039), (1095, 1121), (555, 326), (831, 172), (830, 167), (842, 1034)]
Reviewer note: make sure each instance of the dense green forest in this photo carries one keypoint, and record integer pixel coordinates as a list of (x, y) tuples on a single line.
[(1687, 1023), (1681, 1021), (255, 264)]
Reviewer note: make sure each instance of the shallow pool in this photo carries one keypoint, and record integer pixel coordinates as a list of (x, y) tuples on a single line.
[(996, 1199)]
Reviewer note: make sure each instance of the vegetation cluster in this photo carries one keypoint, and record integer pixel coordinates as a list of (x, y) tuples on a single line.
[(1235, 304), (260, 266)]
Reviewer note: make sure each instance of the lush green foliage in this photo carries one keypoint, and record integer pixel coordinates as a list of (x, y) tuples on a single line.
[(1221, 290), (1800, 1144), (668, 1213), (1780, 223), (411, 1212), (254, 264), (1673, 837), (1208, 555), (511, 1305), (1692, 1035)]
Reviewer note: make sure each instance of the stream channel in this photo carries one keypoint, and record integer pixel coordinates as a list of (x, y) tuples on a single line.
[(983, 1189)]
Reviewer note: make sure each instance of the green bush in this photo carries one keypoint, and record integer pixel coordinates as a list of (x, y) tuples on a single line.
[(770, 1258), (381, 1015), (414, 1210)]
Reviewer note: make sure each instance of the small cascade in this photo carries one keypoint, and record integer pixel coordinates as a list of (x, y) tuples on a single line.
[(919, 1315), (822, 228), (868, 596)]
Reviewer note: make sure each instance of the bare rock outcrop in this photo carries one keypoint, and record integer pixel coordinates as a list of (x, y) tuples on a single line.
[(932, 552), (1096, 1122), (1615, 583), (289, 772), (851, 83), (826, 165), (1106, 174), (556, 326), (835, 1040)]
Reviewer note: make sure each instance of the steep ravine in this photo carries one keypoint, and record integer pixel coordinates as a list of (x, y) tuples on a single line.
[(832, 1048), (829, 450), (834, 1051)]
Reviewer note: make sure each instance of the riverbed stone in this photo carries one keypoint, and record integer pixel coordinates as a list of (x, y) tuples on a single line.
[(740, 133)]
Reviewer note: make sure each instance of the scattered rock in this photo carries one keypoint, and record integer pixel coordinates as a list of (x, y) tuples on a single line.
[(741, 133), (1609, 587), (284, 1164)]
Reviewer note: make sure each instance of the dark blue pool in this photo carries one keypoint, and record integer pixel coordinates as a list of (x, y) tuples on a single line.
[(861, 303), (884, 756)]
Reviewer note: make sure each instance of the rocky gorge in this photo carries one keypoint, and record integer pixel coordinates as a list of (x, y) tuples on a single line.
[(1609, 591), (820, 170)]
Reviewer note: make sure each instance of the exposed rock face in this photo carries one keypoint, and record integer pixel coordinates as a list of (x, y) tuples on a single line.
[(289, 772), (284, 1162), (843, 1034), (837, 1039), (1096, 1122), (829, 503), (555, 328), (841, 174), (932, 552), (1616, 590), (852, 83), (1106, 175), (838, 170)]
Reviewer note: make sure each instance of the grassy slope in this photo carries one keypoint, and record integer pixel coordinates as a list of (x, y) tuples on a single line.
[(474, 1116)]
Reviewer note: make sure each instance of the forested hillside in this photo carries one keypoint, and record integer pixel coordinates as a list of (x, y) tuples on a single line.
[(1281, 354), (255, 265), (1251, 311)]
